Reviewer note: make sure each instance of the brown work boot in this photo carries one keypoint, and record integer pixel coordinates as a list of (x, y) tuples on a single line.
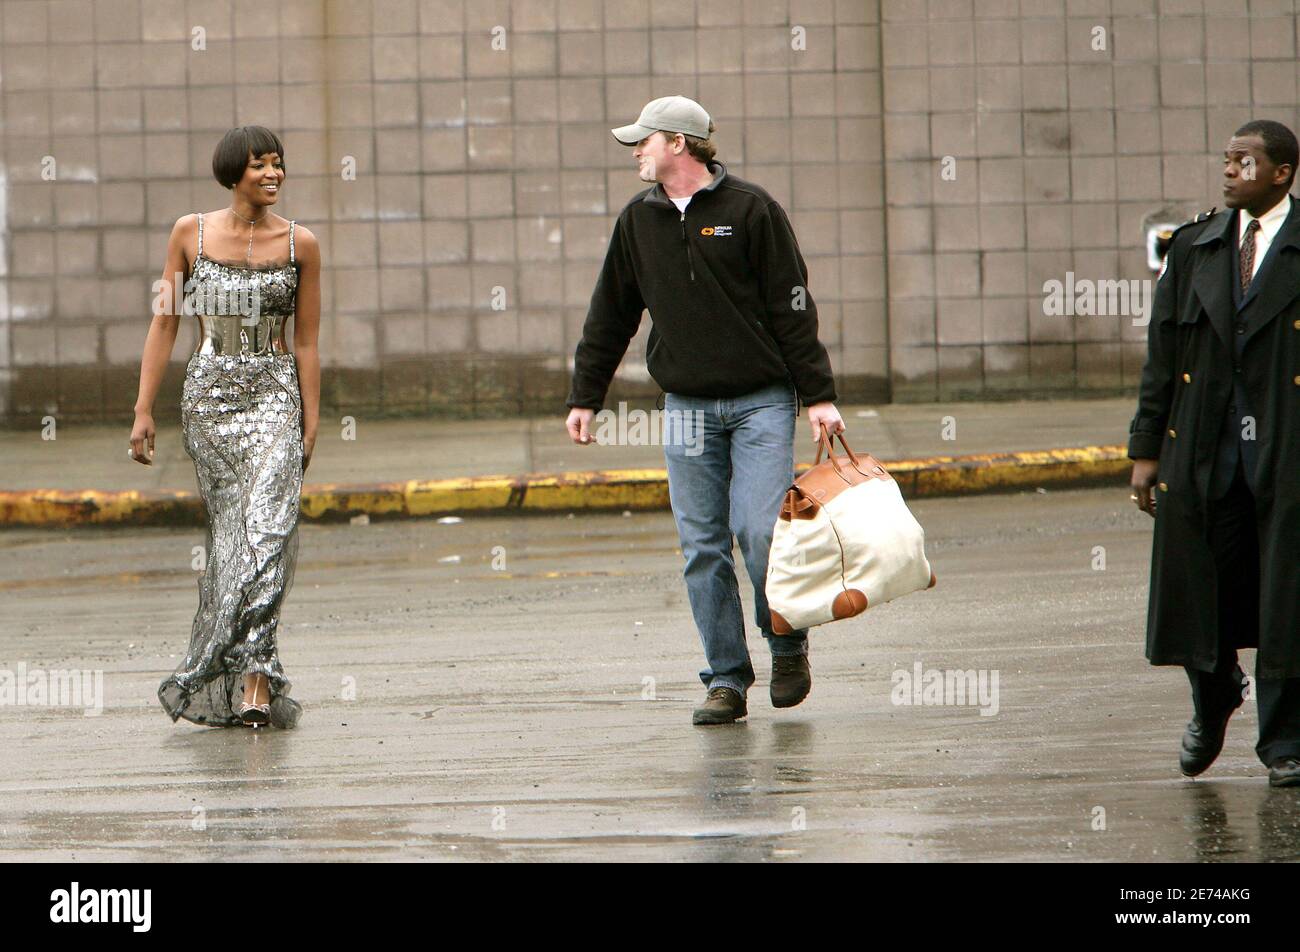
[(791, 680), (722, 706), (1284, 772)]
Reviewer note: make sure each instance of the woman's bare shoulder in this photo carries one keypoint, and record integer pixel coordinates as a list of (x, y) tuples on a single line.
[(305, 239), (186, 224)]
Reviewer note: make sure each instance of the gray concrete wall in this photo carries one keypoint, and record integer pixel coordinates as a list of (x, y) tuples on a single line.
[(1060, 151), (479, 168)]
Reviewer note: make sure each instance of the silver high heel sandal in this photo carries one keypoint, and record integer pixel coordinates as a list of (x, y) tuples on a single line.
[(255, 715)]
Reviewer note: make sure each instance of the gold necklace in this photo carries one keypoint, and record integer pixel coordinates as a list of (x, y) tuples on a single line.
[(248, 257)]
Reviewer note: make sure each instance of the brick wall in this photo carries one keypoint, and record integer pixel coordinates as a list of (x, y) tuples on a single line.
[(1060, 149), (480, 169)]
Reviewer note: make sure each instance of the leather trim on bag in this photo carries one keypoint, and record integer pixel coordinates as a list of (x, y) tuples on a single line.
[(796, 506), (828, 478), (848, 603), (819, 485)]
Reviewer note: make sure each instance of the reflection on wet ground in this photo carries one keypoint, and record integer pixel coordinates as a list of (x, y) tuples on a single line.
[(533, 701)]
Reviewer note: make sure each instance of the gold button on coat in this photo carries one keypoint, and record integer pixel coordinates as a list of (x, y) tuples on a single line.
[(1164, 487), (1187, 378), (1172, 434)]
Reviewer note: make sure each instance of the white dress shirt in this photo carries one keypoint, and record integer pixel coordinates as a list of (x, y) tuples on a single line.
[(1270, 223)]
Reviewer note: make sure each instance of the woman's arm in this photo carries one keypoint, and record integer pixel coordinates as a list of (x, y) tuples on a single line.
[(306, 334), (161, 339)]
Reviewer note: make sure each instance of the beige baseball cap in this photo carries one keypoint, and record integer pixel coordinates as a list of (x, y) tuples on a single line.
[(669, 114)]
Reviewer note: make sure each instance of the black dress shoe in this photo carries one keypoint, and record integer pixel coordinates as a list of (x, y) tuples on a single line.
[(791, 680), (722, 706), (1284, 772), (1202, 743)]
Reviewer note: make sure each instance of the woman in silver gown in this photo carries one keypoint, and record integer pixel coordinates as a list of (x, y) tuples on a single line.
[(249, 412)]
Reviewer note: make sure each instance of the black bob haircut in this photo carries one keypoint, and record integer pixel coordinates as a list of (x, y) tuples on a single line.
[(1279, 142), (231, 156)]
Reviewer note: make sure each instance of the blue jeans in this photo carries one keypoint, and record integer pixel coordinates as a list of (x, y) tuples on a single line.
[(730, 461)]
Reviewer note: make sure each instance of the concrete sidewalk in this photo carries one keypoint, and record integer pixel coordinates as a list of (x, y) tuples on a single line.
[(414, 467), (541, 673)]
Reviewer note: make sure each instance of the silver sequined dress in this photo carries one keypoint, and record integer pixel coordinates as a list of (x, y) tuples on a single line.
[(241, 416)]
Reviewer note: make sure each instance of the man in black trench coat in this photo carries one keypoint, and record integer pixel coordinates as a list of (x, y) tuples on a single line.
[(1216, 450)]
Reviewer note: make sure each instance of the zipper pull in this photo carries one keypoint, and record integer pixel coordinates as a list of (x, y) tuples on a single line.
[(686, 241)]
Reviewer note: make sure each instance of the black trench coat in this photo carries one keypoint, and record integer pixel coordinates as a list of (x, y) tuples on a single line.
[(1185, 390)]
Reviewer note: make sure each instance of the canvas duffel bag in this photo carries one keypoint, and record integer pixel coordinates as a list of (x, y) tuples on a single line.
[(844, 541)]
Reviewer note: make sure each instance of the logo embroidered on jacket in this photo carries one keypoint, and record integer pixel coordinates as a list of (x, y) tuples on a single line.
[(717, 231)]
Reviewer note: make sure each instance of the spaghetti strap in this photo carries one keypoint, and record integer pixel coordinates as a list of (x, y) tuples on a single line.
[(291, 224), (200, 252)]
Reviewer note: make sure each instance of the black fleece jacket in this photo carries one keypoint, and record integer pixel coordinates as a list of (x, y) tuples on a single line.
[(727, 291)]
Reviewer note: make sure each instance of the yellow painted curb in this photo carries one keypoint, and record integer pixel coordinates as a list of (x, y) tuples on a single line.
[(609, 489), (1000, 472), (52, 507)]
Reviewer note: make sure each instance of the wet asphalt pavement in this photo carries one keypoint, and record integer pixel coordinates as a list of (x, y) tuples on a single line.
[(532, 701)]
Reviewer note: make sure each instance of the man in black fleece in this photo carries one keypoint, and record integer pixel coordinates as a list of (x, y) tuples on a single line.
[(733, 343)]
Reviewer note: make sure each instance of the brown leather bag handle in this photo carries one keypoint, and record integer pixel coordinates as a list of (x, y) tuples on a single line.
[(827, 443)]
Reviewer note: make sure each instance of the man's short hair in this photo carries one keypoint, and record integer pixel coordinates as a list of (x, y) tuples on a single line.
[(702, 150), (230, 158), (1279, 142)]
